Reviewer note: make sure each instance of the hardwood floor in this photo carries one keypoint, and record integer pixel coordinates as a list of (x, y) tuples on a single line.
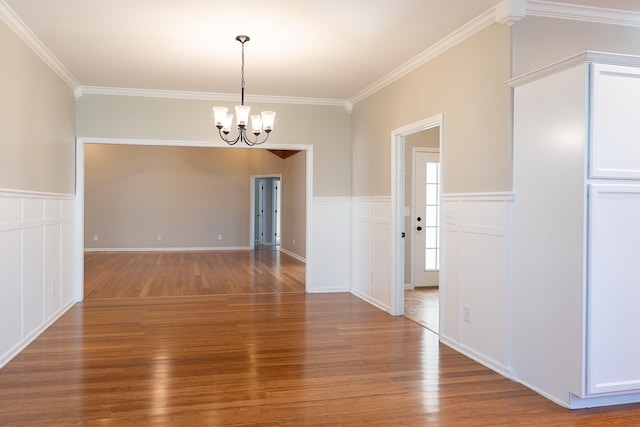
[(272, 359), (280, 358), (156, 274), (422, 305)]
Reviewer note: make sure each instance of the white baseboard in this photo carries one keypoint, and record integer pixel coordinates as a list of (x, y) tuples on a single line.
[(292, 255), (371, 301), (478, 357), (170, 249), (15, 350)]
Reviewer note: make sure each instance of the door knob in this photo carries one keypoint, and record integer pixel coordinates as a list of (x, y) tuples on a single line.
[(419, 228)]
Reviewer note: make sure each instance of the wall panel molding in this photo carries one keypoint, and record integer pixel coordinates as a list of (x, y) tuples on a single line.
[(37, 265), (371, 250), (475, 293), (331, 244)]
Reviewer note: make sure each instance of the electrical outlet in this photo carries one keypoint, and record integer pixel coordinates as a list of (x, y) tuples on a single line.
[(95, 237), (53, 288), (219, 236), (294, 242), (466, 313), (159, 237)]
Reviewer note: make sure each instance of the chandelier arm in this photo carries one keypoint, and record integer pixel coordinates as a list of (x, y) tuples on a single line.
[(229, 141), (257, 141)]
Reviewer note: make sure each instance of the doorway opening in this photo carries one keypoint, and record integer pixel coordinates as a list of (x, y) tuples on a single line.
[(409, 232), (305, 186), (266, 208)]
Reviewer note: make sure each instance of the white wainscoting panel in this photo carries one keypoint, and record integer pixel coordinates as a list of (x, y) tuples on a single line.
[(331, 244), (10, 296), (36, 265), (33, 276), (475, 271), (371, 277)]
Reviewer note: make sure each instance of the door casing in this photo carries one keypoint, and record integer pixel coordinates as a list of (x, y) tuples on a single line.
[(397, 206)]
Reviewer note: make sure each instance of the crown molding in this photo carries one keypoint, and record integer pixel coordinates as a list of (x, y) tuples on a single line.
[(573, 61), (506, 12), (207, 96), (474, 26), (548, 9), (20, 28)]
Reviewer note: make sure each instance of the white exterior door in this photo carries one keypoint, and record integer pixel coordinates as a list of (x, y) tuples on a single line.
[(426, 218)]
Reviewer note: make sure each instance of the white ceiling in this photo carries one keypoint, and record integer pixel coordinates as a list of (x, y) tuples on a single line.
[(299, 48)]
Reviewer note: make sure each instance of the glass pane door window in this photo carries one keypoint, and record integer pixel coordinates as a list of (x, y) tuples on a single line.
[(432, 220)]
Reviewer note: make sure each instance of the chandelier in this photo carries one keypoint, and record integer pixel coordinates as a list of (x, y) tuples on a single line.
[(259, 123)]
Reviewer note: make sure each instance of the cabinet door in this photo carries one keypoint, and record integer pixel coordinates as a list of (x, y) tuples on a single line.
[(613, 295), (615, 122)]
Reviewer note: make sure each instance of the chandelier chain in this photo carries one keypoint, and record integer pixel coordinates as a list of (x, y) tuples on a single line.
[(242, 76)]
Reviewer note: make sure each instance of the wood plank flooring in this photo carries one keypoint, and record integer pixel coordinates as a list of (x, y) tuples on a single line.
[(278, 358), (289, 359), (156, 274), (422, 305)]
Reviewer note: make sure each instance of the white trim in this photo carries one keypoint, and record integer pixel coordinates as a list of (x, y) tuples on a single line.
[(374, 302), (371, 199), (170, 249), (79, 226), (478, 357), (17, 349), (207, 96), (292, 255), (576, 402), (548, 9), (497, 14), (397, 204), (331, 199), (20, 28), (188, 143), (8, 192), (81, 141), (572, 61), (483, 197)]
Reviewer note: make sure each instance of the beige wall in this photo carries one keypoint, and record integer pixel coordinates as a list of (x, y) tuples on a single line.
[(324, 127), (187, 195), (467, 85), (294, 205), (37, 121), (538, 42)]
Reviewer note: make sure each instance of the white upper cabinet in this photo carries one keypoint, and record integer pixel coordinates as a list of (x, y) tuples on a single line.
[(615, 122)]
